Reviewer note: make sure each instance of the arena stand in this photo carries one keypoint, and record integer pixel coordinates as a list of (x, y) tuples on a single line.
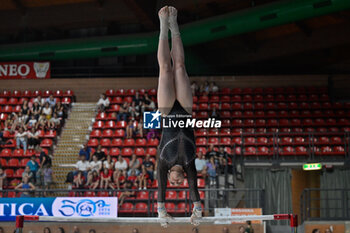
[(13, 159)]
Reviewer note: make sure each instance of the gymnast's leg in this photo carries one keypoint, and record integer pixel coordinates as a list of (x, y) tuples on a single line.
[(182, 82), (166, 88)]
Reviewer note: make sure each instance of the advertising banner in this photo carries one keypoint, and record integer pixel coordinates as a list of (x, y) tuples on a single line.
[(25, 70), (97, 207), (228, 212)]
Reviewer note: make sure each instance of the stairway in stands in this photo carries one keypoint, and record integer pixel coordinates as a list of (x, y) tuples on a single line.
[(72, 138)]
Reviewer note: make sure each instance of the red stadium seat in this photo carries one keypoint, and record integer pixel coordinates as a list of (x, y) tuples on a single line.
[(129, 142), (264, 151), (249, 141), (301, 151), (103, 194), (142, 195), (151, 151), (213, 140), (121, 124), (142, 142), (17, 153), (116, 100), (101, 116), (139, 151), (225, 106), (127, 151), (200, 183), (127, 99), (287, 150), (286, 141), (7, 109), (95, 133), (258, 98), (225, 141), (203, 106), (18, 173), (201, 141), (9, 172), (338, 150), (6, 153), (262, 141), (50, 134), (93, 142), (236, 140), (98, 125), (114, 151), (201, 149), (13, 163), (130, 92), (171, 195), (203, 99), (119, 133), (105, 142), (110, 92), (249, 151), (141, 208), (46, 143), (120, 92), (110, 125), (47, 93), (126, 208), (3, 117)]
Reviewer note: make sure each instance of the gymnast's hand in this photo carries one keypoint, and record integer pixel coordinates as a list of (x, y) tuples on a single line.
[(196, 213), (163, 215)]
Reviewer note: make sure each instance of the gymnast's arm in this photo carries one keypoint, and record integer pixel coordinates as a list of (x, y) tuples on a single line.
[(192, 181), (162, 173)]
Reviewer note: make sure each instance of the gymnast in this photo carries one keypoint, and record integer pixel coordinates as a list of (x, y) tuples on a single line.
[(177, 150)]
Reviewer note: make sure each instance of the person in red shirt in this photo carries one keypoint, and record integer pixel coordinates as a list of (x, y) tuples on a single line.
[(106, 179), (143, 179), (133, 178), (95, 180)]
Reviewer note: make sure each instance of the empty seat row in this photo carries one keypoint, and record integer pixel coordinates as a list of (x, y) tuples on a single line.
[(7, 152), (29, 94), (11, 143), (123, 142), (42, 133), (18, 102), (126, 151)]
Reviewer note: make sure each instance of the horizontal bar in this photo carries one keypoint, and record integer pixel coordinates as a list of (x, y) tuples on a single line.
[(148, 220)]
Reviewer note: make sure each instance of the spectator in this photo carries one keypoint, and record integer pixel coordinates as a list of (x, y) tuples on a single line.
[(2, 230), (94, 180), (33, 138), (92, 231), (133, 178), (3, 141), (42, 122), (86, 151), (95, 164), (54, 122), (139, 129), (35, 110), (212, 152), (82, 166), (79, 180), (223, 157), (119, 178), (212, 170), (76, 229), (61, 230), (21, 139), (128, 192), (249, 228), (329, 230), (152, 133), (135, 230), (103, 103), (106, 179), (47, 110), (148, 103), (2, 178), (44, 158), (225, 230), (130, 129), (48, 176), (136, 99), (201, 164), (132, 110), (316, 231), (51, 101), (28, 173), (123, 112), (25, 108), (21, 120), (204, 88), (214, 113), (213, 87), (108, 163), (33, 166), (241, 229), (149, 166), (194, 88), (25, 186), (143, 178), (47, 230), (59, 110), (32, 123), (134, 165), (121, 165), (101, 155)]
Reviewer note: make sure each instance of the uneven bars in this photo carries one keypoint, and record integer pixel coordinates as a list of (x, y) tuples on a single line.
[(156, 220)]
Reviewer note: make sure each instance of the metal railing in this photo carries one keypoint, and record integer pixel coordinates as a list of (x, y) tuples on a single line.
[(325, 204), (213, 198)]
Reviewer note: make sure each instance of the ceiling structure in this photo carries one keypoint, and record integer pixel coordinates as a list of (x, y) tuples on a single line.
[(317, 45)]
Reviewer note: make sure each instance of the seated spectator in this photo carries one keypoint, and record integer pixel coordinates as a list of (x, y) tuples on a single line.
[(201, 163), (211, 165), (82, 166), (61, 230), (328, 230), (108, 163), (2, 178), (3, 141), (130, 129), (149, 166), (316, 231), (194, 88), (59, 110), (123, 113), (21, 139), (28, 173), (223, 157), (92, 231), (25, 110), (95, 166), (127, 192), (32, 123), (133, 178), (33, 138), (134, 111), (121, 165), (47, 230), (86, 151), (99, 153), (44, 158), (54, 122), (119, 178), (33, 166), (143, 179), (39, 100), (47, 110), (148, 103), (103, 103), (106, 179), (79, 180), (213, 87), (134, 165), (42, 122), (139, 128), (35, 110), (137, 99), (94, 180), (249, 228), (241, 229), (204, 88), (25, 186), (21, 120), (10, 124), (212, 152), (52, 101), (152, 133)]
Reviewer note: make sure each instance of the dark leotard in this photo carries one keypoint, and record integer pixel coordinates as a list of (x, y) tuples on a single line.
[(177, 147)]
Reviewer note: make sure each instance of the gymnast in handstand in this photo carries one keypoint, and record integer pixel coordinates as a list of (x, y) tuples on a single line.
[(177, 148)]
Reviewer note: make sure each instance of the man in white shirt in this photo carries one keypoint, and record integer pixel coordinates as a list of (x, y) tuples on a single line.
[(82, 165), (200, 163), (95, 164), (103, 103)]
